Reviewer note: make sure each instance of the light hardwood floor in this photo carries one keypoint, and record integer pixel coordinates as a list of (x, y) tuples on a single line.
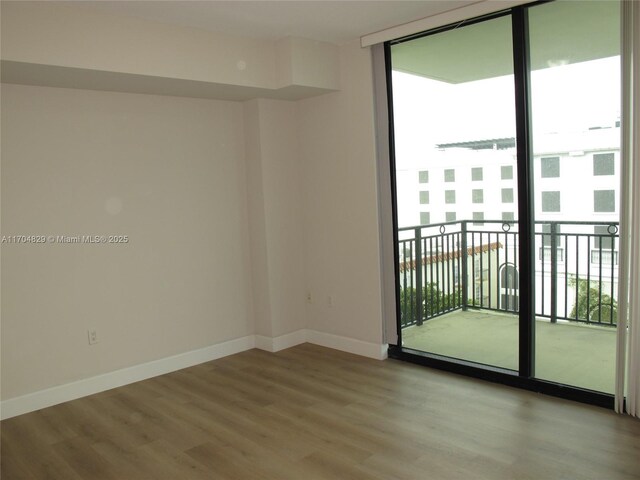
[(314, 413)]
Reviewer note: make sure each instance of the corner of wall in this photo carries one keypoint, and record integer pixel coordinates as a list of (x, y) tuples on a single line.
[(337, 150)]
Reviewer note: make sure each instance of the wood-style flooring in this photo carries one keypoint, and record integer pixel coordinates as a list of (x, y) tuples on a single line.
[(314, 413)]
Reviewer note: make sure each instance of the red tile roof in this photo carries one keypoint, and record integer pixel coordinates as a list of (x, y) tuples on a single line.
[(443, 257)]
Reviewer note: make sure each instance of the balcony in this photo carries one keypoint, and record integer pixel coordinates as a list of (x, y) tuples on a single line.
[(459, 296)]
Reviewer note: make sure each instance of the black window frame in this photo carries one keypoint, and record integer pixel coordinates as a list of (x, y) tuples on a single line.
[(525, 376)]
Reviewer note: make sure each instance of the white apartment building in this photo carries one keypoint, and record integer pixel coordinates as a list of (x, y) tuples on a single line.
[(575, 175), (576, 179)]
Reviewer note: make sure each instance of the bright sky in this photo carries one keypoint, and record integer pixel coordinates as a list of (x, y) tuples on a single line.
[(565, 98)]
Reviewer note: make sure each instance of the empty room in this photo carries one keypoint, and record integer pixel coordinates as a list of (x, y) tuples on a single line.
[(342, 239)]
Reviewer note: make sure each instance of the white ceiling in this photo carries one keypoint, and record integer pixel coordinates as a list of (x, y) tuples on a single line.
[(335, 21)]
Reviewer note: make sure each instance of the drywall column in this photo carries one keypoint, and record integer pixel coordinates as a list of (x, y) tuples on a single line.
[(309, 63), (257, 229), (337, 148), (275, 213)]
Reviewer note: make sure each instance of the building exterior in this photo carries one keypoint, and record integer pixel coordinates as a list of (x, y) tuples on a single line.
[(470, 189)]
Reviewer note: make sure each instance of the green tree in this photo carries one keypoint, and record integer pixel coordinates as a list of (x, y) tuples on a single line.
[(408, 310), (434, 302), (590, 306)]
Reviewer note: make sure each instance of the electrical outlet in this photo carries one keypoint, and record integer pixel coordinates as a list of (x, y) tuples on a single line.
[(93, 336)]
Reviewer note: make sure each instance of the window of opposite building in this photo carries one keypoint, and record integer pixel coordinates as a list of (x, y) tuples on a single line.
[(449, 196), (449, 175), (477, 195), (550, 167), (544, 253), (450, 216), (424, 198), (508, 216), (425, 218), (507, 195), (603, 244), (603, 164), (607, 258), (423, 176), (478, 218), (506, 172), (550, 201), (476, 174), (604, 238), (604, 201), (546, 231)]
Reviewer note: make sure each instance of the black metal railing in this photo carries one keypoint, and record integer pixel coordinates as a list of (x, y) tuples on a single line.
[(474, 264)]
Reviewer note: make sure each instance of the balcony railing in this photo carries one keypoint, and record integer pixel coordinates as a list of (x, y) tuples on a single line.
[(475, 264)]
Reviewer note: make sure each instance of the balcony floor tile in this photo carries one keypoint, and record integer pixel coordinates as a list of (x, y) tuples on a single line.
[(567, 352)]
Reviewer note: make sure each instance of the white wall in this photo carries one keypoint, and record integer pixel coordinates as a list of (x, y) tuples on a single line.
[(276, 217), (51, 34), (176, 166), (234, 212), (337, 144), (63, 45)]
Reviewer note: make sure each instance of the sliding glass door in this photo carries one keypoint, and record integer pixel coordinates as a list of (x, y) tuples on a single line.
[(575, 102), (456, 191), (506, 153)]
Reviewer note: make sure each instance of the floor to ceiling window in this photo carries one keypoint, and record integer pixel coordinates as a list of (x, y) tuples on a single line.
[(575, 103), (455, 143), (506, 175)]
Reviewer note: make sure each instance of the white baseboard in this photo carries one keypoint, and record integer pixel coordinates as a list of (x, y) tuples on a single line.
[(337, 342), (81, 388), (346, 344), (263, 342), (276, 344), (88, 386), (289, 340)]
